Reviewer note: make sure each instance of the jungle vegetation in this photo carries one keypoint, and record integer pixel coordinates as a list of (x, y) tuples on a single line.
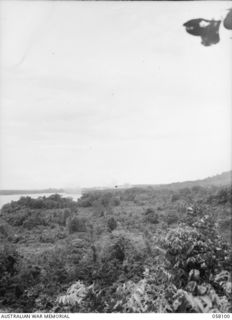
[(140, 249)]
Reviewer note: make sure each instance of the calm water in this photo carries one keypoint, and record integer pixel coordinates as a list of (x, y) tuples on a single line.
[(14, 197)]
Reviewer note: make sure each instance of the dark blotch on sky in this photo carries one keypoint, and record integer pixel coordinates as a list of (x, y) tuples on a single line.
[(208, 30), (227, 23)]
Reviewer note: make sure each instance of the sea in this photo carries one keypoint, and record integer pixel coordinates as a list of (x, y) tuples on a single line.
[(14, 197)]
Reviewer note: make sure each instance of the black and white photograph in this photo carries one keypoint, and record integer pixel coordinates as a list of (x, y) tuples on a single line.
[(115, 157)]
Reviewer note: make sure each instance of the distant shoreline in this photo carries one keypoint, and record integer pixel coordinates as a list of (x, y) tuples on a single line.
[(222, 179), (15, 192)]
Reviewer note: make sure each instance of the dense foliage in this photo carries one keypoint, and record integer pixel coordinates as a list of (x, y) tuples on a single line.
[(131, 250)]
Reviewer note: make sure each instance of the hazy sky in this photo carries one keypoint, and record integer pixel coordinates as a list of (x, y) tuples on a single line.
[(102, 93)]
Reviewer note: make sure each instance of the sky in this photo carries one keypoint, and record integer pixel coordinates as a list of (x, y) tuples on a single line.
[(106, 93)]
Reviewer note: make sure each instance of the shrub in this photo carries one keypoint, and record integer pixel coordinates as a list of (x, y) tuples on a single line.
[(88, 199), (53, 264), (208, 302), (111, 224), (224, 196), (171, 217), (132, 297), (58, 216), (46, 237), (33, 221), (74, 296), (54, 201), (16, 218), (175, 197), (106, 198), (151, 216), (10, 287), (84, 202), (196, 254), (98, 209), (116, 201), (77, 225), (4, 230)]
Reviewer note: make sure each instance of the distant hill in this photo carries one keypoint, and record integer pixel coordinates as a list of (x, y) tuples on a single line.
[(222, 179)]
